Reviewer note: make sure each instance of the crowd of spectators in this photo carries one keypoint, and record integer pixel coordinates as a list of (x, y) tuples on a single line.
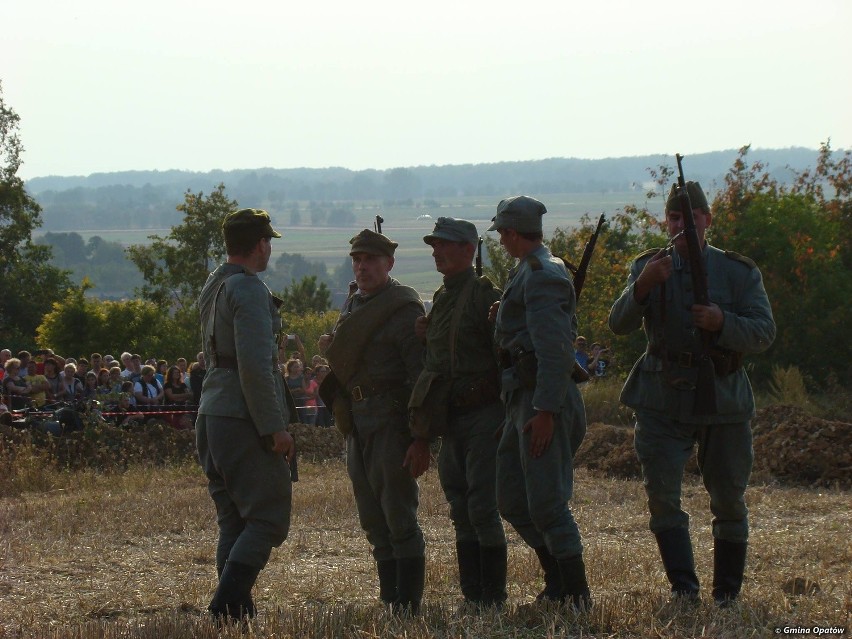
[(132, 388), (595, 361)]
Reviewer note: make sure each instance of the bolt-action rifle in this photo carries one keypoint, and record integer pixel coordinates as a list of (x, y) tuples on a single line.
[(579, 272), (479, 258), (377, 225), (705, 383)]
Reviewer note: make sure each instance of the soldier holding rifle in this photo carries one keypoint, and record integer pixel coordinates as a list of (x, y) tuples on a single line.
[(702, 309)]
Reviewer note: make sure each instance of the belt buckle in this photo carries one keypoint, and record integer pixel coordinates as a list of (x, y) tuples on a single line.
[(684, 359), (357, 395)]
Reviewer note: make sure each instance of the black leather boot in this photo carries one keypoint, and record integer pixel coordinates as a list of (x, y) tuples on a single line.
[(470, 568), (233, 596), (676, 552), (552, 582), (410, 580), (387, 580), (575, 587), (729, 559), (494, 560)]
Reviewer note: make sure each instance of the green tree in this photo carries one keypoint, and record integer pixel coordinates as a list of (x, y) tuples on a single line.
[(305, 296), (176, 267), (799, 235), (30, 283), (81, 324)]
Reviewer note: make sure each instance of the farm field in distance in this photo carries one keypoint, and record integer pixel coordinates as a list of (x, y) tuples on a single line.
[(405, 224)]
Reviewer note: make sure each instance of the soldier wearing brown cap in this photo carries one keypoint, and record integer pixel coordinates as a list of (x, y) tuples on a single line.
[(241, 432), (375, 358), (545, 415)]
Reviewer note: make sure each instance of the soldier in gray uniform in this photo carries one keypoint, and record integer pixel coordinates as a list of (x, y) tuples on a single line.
[(461, 373), (241, 431), (375, 359), (545, 416), (661, 389)]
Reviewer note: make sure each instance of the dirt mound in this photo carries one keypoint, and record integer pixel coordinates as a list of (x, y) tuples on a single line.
[(789, 446), (316, 444), (793, 446)]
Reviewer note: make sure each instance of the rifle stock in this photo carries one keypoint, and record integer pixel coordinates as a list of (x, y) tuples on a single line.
[(705, 384)]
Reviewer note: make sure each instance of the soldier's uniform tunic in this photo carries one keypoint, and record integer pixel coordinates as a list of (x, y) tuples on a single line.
[(242, 401), (660, 388), (537, 314)]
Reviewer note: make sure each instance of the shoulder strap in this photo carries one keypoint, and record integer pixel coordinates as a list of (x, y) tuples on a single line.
[(740, 258), (464, 296)]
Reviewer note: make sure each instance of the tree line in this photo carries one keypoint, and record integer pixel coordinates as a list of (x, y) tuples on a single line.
[(797, 230)]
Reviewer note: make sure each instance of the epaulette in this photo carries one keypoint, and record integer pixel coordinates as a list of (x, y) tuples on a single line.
[(740, 258), (534, 262)]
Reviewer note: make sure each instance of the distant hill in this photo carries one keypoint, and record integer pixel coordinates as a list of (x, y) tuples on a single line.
[(147, 199)]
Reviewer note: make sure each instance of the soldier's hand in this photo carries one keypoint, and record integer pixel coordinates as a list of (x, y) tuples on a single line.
[(324, 342), (541, 429), (283, 444), (656, 271), (492, 312), (420, 326), (708, 318), (417, 457)]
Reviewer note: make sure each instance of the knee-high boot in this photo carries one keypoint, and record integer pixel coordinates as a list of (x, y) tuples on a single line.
[(676, 553), (233, 596), (729, 559)]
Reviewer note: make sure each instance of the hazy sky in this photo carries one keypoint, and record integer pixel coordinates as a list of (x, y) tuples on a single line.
[(108, 85)]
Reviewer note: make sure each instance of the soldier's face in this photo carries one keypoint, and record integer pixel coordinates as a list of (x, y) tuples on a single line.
[(509, 241), (674, 225), (451, 257), (261, 254), (371, 271)]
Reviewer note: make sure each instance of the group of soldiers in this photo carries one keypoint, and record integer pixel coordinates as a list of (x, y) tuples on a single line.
[(489, 372)]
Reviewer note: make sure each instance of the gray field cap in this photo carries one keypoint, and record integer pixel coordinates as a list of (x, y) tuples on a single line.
[(521, 213), (697, 198), (453, 230), (372, 243)]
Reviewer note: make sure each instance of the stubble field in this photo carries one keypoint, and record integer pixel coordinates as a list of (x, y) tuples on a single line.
[(130, 555)]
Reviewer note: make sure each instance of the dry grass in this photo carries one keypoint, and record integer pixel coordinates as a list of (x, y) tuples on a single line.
[(131, 555)]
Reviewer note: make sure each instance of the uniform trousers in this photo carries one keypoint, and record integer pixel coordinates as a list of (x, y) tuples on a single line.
[(533, 493), (250, 486), (467, 467), (725, 458), (386, 494)]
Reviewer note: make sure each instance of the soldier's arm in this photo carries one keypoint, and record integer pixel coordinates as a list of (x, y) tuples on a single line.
[(750, 327), (255, 344), (550, 304), (626, 313)]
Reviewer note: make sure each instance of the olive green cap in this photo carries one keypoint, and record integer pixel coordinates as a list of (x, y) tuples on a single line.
[(453, 230), (249, 221), (696, 197), (521, 213), (373, 243)]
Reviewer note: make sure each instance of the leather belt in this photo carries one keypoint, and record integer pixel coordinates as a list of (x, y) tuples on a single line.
[(684, 359), (362, 391), (226, 361)]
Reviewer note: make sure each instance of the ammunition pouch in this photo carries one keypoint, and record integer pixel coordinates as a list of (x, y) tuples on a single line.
[(526, 368), (475, 394), (429, 405), (334, 396)]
